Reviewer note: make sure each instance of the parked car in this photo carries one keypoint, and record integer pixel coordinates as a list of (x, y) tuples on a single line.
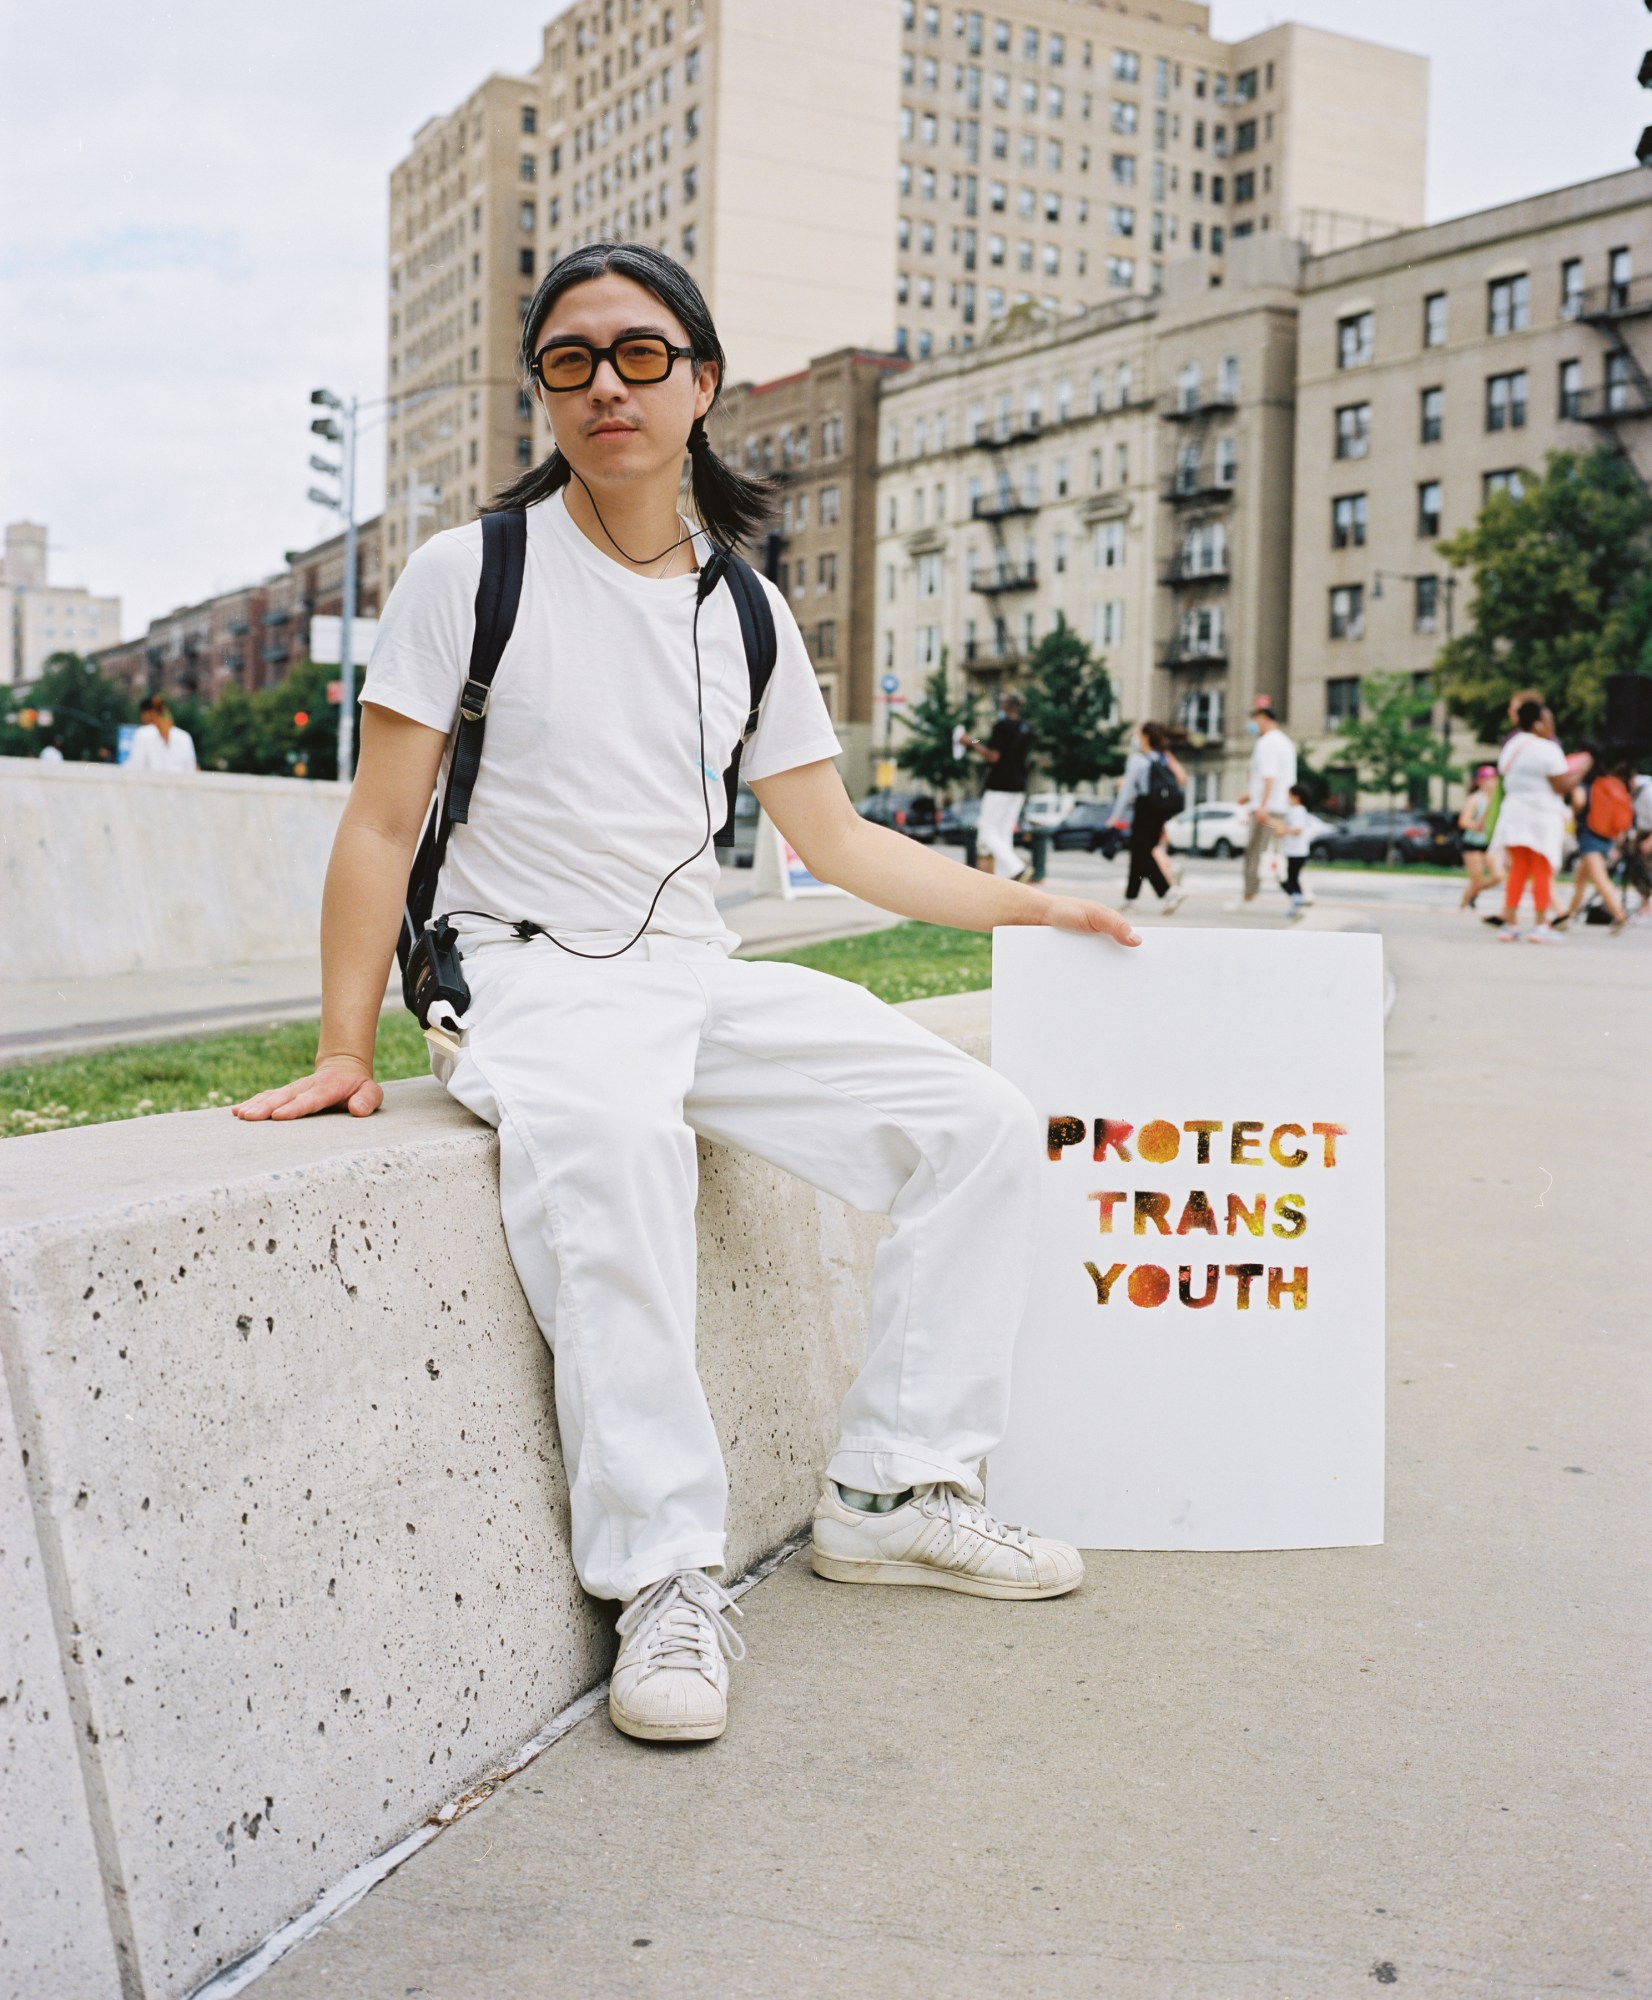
[(1047, 809), (1089, 826), (745, 828), (1411, 836), (1215, 827), (912, 813)]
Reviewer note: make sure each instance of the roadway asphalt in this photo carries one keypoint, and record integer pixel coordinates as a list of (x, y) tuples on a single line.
[(1294, 1776)]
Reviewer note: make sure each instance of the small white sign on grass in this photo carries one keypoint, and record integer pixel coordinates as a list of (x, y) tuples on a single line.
[(1201, 1361)]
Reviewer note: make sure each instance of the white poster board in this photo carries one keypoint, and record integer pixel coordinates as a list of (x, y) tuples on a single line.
[(1201, 1361)]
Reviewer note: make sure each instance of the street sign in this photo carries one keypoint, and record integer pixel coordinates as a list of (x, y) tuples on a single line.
[(327, 640), (889, 684), (893, 700)]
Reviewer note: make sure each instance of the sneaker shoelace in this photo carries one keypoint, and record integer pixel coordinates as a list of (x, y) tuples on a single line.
[(946, 1503), (682, 1622)]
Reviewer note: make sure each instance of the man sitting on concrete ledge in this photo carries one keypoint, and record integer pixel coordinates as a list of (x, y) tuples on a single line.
[(608, 1023)]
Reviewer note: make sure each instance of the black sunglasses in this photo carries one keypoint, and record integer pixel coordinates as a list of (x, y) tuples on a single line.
[(562, 365)]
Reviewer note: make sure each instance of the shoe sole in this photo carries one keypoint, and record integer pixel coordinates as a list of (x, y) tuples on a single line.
[(923, 1576), (665, 1732)]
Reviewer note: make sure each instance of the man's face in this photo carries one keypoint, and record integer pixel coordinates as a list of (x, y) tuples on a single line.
[(612, 432)]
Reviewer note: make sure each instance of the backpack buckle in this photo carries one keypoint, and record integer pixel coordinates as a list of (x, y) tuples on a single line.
[(473, 702)]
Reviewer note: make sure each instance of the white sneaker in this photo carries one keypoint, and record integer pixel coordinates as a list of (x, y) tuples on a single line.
[(1174, 900), (941, 1539), (1544, 934), (1508, 935), (670, 1682)]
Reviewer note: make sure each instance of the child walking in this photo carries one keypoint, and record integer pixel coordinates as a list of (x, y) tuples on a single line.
[(1294, 848)]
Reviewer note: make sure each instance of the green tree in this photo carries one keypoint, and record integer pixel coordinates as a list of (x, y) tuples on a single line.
[(259, 733), (928, 753), (1391, 745), (1563, 594), (1067, 701), (86, 710)]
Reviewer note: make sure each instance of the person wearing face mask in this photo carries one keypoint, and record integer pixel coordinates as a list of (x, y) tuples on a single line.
[(1272, 774)]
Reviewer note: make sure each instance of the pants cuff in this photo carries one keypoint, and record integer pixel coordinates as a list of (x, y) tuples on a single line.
[(874, 1466), (643, 1572)]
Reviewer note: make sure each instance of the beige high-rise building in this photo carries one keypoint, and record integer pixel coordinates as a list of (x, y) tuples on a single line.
[(1435, 367), (465, 212), (868, 173), (1126, 469), (39, 618)]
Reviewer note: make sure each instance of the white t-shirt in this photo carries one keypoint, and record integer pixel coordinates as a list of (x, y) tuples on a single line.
[(151, 751), (1296, 832), (1273, 756), (1533, 813), (587, 792)]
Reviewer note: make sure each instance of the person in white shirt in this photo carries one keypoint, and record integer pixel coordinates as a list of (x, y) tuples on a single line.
[(1531, 823), (608, 1024), (1272, 774), (52, 754), (158, 743), (1294, 847)]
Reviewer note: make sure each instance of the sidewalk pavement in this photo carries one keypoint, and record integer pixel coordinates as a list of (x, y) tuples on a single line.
[(1293, 1776), (58, 1017)]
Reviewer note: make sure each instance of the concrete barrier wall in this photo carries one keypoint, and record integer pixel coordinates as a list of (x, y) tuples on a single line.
[(105, 871), (295, 1507)]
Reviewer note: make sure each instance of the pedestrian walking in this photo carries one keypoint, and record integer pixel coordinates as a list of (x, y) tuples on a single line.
[(1293, 846), (1531, 824), (1005, 751), (159, 744), (1153, 791), (1272, 774), (1474, 823), (1604, 809), (606, 1023)]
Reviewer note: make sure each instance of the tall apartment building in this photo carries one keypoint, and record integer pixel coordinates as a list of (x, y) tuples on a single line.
[(1435, 367), (868, 173), (1061, 152), (39, 618), (814, 433), (1127, 469), (465, 253)]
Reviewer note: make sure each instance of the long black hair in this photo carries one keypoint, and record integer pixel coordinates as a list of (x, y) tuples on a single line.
[(731, 507)]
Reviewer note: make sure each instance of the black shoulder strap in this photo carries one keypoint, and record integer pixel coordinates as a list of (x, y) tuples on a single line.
[(499, 591), (757, 635)]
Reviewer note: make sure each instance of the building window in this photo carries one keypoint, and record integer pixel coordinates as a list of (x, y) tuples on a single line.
[(1508, 304), (1571, 288), (826, 575), (1341, 701), (691, 183), (830, 504), (1571, 389), (1353, 430), (1434, 320), (1123, 169), (691, 123), (525, 215), (530, 118), (1425, 615), (1348, 514), (1428, 507), (1617, 279), (1511, 482), (1617, 383), (1433, 412), (1348, 611), (1121, 221), (524, 451), (1244, 189), (689, 240), (1506, 402), (1108, 545), (1121, 272), (1356, 340), (1126, 117)]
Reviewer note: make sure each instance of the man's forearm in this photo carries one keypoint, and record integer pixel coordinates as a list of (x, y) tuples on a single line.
[(361, 912), (898, 874)]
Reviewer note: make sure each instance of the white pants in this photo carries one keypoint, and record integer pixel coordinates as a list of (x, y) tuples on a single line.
[(996, 834), (598, 1075)]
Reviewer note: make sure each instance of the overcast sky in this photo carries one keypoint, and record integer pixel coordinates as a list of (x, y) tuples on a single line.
[(193, 232)]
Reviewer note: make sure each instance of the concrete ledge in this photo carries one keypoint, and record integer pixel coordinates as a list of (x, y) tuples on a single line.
[(295, 1509), (107, 871)]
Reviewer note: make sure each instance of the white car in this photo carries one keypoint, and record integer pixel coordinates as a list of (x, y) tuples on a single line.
[(1047, 809), (1222, 829)]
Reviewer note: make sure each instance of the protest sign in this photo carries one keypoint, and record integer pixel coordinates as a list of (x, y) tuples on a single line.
[(1201, 1361)]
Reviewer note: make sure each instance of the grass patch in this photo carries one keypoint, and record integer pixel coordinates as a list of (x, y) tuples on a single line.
[(152, 1077), (910, 962)]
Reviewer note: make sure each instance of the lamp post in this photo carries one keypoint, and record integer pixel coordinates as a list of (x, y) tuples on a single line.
[(1450, 582), (343, 502)]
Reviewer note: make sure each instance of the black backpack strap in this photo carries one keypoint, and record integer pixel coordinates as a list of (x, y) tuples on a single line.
[(498, 592), (757, 636)]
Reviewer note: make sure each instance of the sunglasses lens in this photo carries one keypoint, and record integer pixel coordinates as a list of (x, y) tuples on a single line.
[(644, 360), (565, 367)]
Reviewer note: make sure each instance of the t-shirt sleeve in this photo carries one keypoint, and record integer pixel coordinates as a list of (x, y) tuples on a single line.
[(422, 652), (793, 726)]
